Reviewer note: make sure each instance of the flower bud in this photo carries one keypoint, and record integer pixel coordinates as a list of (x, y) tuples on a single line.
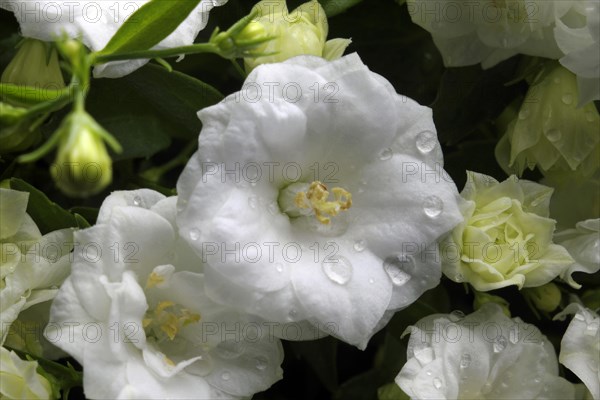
[(545, 297), (20, 379), (34, 65), (83, 166), (301, 32), (550, 131), (17, 131), (482, 298)]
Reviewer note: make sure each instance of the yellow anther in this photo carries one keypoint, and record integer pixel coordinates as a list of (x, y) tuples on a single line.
[(160, 307), (317, 197), (168, 318), (146, 322), (169, 361), (153, 280)]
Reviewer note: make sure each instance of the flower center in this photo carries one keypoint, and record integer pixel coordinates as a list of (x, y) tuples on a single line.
[(301, 199), (167, 319)]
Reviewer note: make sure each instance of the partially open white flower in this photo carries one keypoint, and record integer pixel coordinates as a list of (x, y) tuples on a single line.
[(578, 36), (485, 355), (32, 266), (20, 379), (580, 346), (135, 315), (489, 31), (95, 22), (583, 243), (317, 195)]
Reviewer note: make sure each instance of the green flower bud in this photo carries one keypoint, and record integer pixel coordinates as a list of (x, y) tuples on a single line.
[(550, 131), (303, 31), (83, 166), (483, 298), (17, 131), (34, 65), (545, 297)]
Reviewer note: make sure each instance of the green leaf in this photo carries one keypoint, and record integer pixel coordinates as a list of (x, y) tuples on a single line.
[(47, 215), (391, 391), (153, 22), (19, 94), (321, 356), (139, 137), (90, 214), (334, 7)]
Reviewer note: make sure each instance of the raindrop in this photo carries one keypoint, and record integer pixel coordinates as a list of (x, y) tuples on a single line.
[(592, 328), (386, 154), (524, 114), (567, 98), (359, 245), (252, 202), (195, 234), (261, 363), (371, 281), (426, 141), (339, 270), (230, 349), (437, 383), (553, 135), (396, 269), (279, 267), (459, 278), (226, 376), (465, 360), (456, 315), (137, 201), (537, 380), (429, 373), (433, 206), (499, 344)]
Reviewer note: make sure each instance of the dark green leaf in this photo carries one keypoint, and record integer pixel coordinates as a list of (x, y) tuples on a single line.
[(82, 223), (139, 137), (48, 215), (321, 356), (89, 213), (391, 391), (334, 7), (18, 94), (153, 22)]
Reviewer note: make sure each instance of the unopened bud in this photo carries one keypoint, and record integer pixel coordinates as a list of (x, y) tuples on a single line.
[(482, 298)]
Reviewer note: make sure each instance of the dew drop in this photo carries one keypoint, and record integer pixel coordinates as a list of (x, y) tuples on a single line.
[(359, 245), (396, 267), (386, 154), (226, 376), (456, 315), (426, 141), (553, 135), (230, 349), (567, 98), (524, 114), (579, 317), (252, 202), (137, 201), (537, 380), (371, 281), (261, 363), (339, 270), (437, 383), (499, 344), (465, 360), (195, 234), (279, 267), (592, 328), (429, 373), (459, 278), (433, 206)]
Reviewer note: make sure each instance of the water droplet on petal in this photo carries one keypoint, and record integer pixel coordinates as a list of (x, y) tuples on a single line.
[(230, 349), (567, 98), (226, 376), (371, 281), (553, 135), (465, 360), (137, 201), (396, 268), (456, 315), (252, 202), (195, 234), (459, 278), (261, 363), (537, 380), (499, 344), (429, 373), (433, 206), (338, 269), (592, 328), (359, 245), (524, 113), (279, 267), (386, 154), (437, 383), (426, 141), (579, 317)]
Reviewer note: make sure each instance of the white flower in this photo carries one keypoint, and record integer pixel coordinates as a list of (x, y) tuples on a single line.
[(32, 266), (485, 355), (20, 379), (583, 243), (490, 31), (580, 346), (95, 22), (578, 36), (134, 313), (339, 197)]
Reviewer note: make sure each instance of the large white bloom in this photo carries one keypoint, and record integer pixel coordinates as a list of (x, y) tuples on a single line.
[(95, 22), (485, 355), (580, 346), (583, 243), (32, 266), (489, 31), (317, 195), (578, 36), (134, 314)]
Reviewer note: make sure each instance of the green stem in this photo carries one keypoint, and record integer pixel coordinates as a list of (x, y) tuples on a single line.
[(99, 58), (154, 174)]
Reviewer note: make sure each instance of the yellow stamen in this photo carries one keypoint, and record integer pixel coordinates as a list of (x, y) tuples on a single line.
[(169, 318), (153, 280), (169, 361), (317, 197)]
